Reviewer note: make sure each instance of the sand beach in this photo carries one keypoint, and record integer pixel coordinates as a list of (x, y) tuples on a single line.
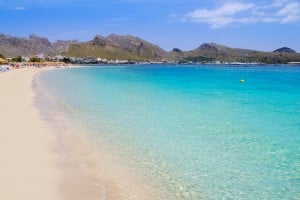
[(27, 150), (33, 164)]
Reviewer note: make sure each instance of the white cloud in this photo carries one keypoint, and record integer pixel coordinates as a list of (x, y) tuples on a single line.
[(19, 8), (290, 12), (228, 9), (279, 3), (218, 17), (269, 20), (234, 12)]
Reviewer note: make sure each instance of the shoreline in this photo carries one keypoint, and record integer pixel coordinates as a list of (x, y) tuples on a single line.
[(34, 164), (27, 147), (104, 168), (42, 160)]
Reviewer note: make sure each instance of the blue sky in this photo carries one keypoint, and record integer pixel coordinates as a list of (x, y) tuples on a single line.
[(262, 25)]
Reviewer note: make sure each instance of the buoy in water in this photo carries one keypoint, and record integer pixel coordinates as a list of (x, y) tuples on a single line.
[(242, 81)]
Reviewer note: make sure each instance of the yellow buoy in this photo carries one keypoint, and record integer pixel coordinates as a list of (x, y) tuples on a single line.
[(242, 81)]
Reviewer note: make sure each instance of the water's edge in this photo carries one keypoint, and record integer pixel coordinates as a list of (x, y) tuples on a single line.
[(180, 132), (102, 169)]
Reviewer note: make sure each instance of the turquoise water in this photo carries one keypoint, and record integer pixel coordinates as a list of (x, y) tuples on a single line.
[(195, 131)]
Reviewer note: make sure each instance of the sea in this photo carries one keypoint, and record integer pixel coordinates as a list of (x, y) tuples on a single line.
[(194, 131)]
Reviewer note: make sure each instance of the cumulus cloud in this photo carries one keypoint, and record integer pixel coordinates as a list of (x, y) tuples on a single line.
[(227, 9), (219, 17), (234, 12), (290, 12)]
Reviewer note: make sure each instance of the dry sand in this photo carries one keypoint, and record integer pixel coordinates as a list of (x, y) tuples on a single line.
[(27, 161), (32, 166)]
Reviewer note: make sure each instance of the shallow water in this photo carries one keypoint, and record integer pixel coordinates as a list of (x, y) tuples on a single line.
[(197, 132)]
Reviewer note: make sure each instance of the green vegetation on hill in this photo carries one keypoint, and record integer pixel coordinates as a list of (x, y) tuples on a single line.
[(17, 59), (214, 52), (128, 47), (35, 60), (116, 47), (88, 49)]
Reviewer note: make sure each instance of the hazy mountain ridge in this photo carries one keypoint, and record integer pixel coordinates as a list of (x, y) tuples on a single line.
[(215, 52), (14, 46), (133, 48)]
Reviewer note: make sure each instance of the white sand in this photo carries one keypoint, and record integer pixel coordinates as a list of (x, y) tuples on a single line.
[(33, 165), (27, 158)]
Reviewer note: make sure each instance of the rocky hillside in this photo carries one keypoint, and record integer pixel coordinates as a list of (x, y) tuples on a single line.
[(134, 48), (13, 46), (117, 47), (214, 52)]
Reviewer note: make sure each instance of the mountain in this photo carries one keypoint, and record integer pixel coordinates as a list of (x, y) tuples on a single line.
[(117, 47), (285, 50), (13, 46), (133, 48), (208, 52)]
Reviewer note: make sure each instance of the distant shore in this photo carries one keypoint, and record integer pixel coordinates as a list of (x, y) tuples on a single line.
[(13, 65)]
